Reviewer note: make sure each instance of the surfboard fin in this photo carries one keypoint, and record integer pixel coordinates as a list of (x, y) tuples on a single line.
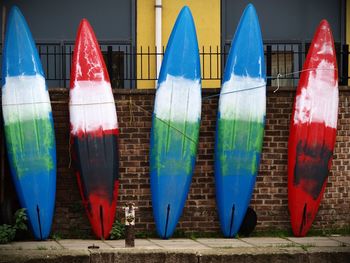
[(303, 220), (232, 216), (39, 222), (101, 219), (167, 221)]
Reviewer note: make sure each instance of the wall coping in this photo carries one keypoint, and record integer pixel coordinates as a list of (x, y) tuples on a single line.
[(270, 89)]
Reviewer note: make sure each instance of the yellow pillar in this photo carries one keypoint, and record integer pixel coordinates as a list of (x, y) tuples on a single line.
[(206, 15)]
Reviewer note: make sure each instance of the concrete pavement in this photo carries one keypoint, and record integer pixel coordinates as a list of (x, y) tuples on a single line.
[(253, 249)]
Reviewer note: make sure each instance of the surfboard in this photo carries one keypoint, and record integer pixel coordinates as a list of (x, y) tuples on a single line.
[(175, 125), (29, 131), (240, 123), (94, 131), (312, 130)]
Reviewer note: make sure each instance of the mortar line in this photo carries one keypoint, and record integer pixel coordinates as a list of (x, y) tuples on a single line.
[(103, 241), (203, 244), (247, 242), (155, 243), (303, 245), (59, 244), (295, 243), (195, 240), (339, 242)]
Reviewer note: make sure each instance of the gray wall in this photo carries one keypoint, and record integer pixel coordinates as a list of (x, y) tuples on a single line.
[(286, 19), (51, 20)]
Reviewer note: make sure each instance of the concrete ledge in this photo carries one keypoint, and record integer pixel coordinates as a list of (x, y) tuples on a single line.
[(43, 256), (256, 255), (202, 250)]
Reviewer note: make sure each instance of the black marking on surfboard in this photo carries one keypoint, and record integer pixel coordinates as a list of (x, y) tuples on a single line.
[(97, 163), (311, 167)]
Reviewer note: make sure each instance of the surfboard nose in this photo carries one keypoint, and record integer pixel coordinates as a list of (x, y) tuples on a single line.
[(182, 49), (18, 44), (325, 23), (250, 17), (250, 9), (14, 12), (85, 27), (185, 11)]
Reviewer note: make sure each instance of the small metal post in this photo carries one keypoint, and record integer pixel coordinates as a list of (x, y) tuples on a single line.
[(129, 209)]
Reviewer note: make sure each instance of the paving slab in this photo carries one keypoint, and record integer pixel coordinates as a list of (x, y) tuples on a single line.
[(44, 256), (344, 240), (223, 242), (115, 243), (6, 246), (268, 242), (146, 244), (139, 243), (83, 244), (36, 245), (315, 241), (178, 243)]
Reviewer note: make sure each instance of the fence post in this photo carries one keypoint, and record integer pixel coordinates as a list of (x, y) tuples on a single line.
[(110, 62), (345, 66), (268, 64), (64, 64)]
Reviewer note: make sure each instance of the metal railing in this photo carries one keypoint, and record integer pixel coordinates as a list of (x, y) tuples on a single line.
[(128, 66)]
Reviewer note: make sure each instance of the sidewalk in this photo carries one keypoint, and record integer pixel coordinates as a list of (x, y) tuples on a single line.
[(254, 249)]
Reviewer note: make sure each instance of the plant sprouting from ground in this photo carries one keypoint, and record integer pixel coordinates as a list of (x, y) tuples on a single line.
[(118, 230), (8, 232)]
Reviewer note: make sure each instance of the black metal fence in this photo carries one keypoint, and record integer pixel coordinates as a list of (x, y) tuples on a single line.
[(128, 67)]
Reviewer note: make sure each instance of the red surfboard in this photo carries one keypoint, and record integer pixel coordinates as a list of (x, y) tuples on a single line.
[(312, 130), (94, 131)]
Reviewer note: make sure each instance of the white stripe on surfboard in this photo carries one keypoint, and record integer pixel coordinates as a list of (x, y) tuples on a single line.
[(92, 107), (243, 98), (179, 100), (318, 102), (25, 98)]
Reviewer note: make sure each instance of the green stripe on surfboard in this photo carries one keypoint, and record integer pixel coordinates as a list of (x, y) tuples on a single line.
[(33, 138), (174, 139), (239, 144)]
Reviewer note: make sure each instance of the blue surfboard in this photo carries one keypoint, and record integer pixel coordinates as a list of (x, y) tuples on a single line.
[(29, 132), (240, 123), (175, 125)]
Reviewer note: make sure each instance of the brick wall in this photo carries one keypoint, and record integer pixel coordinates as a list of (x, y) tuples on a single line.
[(270, 196)]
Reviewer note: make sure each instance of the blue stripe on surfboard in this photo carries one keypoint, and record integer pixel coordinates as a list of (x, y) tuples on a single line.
[(178, 61), (20, 54), (246, 47), (233, 190), (31, 198), (175, 198)]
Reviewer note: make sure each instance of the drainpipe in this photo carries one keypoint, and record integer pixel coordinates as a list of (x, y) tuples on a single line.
[(158, 35)]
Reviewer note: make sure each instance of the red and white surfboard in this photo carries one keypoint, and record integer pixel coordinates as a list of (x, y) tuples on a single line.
[(312, 130), (94, 131)]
